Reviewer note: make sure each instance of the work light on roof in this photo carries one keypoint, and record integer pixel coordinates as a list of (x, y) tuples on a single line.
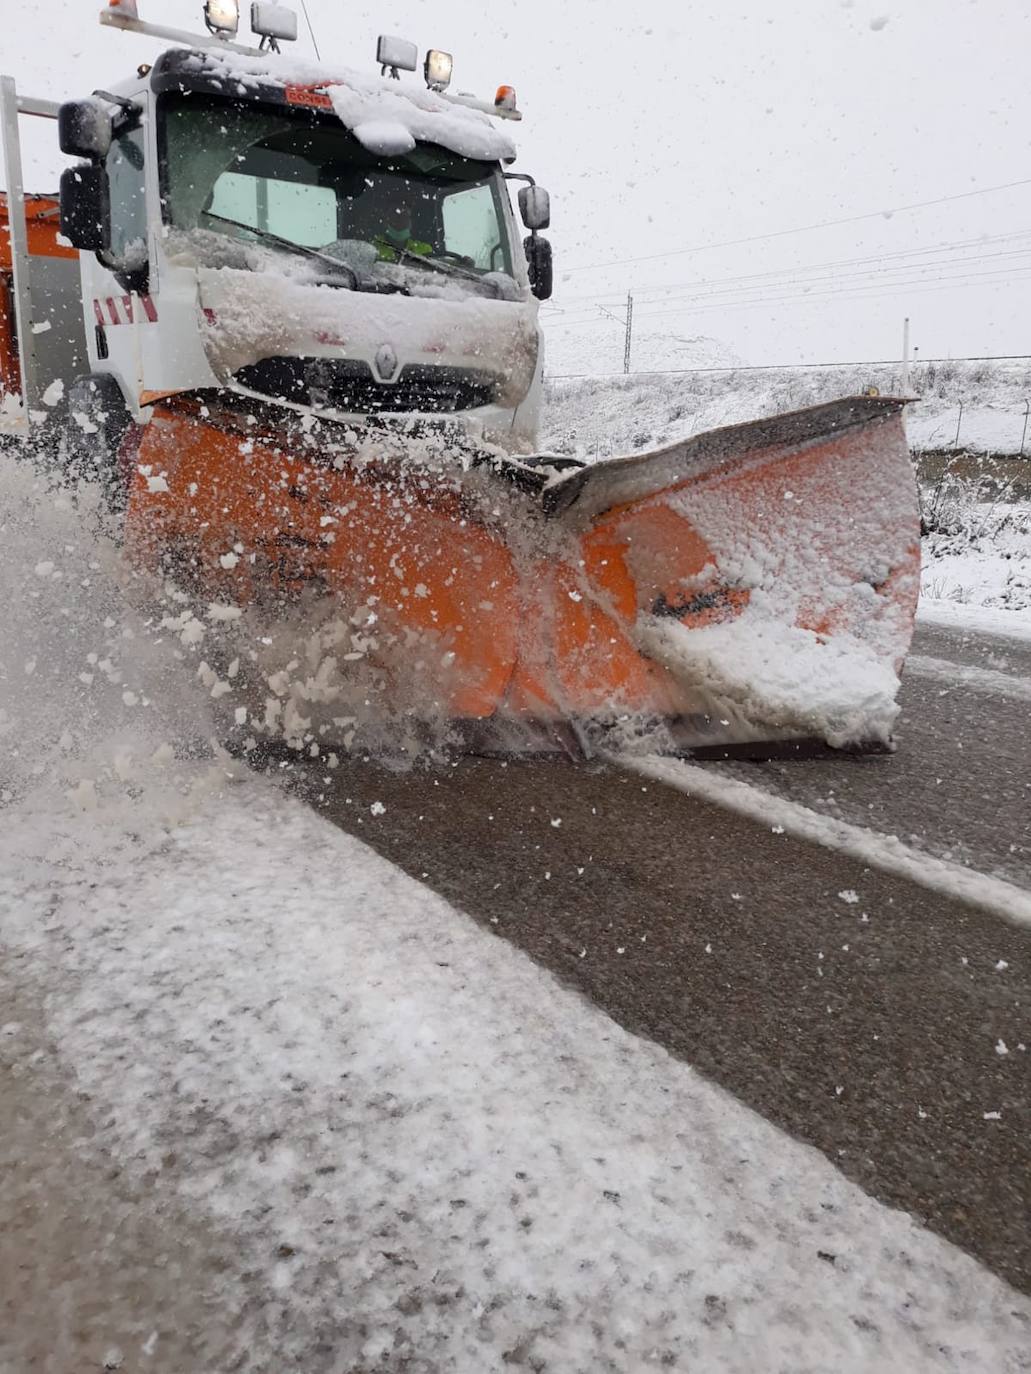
[(222, 16), (274, 23), (396, 55), (438, 69)]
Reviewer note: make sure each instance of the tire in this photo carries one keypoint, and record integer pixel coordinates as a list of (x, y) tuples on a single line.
[(96, 423)]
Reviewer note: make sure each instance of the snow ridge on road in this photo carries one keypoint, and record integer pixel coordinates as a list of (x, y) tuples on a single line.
[(885, 852), (432, 1156), (963, 674)]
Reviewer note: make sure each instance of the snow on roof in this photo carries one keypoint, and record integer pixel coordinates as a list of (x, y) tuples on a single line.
[(385, 116)]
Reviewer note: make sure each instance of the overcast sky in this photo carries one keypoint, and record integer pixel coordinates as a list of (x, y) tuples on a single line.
[(664, 127)]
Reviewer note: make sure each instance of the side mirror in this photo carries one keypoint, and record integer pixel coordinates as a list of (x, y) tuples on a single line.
[(84, 129), (538, 260), (535, 207), (86, 207)]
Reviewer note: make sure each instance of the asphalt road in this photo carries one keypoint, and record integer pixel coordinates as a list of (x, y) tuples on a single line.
[(888, 1031)]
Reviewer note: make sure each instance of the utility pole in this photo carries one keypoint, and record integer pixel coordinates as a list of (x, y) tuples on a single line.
[(905, 356), (629, 331)]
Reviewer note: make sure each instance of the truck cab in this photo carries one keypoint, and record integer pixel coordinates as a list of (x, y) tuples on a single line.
[(336, 243)]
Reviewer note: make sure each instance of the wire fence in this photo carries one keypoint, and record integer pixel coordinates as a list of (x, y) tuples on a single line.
[(788, 367)]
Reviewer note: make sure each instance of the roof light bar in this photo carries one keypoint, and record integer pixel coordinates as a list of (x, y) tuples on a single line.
[(123, 15)]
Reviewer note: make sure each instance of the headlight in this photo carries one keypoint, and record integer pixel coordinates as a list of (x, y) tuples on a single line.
[(438, 69), (222, 16)]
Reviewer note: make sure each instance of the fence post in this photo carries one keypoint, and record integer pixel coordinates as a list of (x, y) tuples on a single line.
[(959, 421), (1027, 411)]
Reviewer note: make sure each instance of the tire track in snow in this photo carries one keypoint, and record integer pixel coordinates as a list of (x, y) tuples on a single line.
[(963, 675), (884, 852)]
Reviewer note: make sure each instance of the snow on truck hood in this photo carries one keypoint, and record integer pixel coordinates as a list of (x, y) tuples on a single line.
[(249, 316), (385, 116)]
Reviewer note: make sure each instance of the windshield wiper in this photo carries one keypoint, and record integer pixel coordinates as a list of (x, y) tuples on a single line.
[(447, 268), (267, 236)]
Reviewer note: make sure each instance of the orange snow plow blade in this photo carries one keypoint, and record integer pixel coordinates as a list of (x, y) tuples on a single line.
[(748, 586)]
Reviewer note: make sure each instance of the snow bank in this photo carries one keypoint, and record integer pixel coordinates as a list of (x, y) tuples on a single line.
[(428, 1152), (597, 416), (979, 554), (385, 116)]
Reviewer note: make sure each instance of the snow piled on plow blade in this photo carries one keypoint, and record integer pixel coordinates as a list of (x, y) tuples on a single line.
[(781, 678), (775, 568)]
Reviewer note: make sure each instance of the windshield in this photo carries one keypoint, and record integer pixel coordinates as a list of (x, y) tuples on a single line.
[(300, 179)]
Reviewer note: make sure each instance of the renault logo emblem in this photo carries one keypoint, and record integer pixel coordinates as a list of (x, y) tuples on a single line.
[(386, 363)]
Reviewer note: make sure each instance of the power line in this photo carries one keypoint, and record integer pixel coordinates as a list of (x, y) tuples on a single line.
[(664, 288), (847, 280), (802, 228), (858, 291)]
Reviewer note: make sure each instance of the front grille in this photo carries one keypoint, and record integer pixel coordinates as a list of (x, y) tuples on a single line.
[(343, 384)]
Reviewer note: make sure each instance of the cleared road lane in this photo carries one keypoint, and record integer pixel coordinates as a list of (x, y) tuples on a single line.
[(883, 1023)]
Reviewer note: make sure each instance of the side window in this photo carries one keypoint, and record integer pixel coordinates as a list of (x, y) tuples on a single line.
[(472, 230), (128, 251), (294, 210)]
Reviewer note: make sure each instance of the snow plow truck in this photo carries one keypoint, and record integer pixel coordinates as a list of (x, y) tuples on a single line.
[(286, 316)]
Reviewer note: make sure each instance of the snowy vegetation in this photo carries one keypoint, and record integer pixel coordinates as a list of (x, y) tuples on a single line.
[(598, 416)]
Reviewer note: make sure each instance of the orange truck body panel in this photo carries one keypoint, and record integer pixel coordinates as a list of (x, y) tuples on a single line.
[(42, 228)]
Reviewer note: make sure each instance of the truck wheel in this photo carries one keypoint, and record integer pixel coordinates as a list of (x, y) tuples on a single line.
[(96, 423)]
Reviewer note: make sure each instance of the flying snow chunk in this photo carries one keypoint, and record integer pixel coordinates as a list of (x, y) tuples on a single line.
[(229, 560), (219, 612), (43, 569), (878, 22), (849, 896), (377, 808), (157, 484), (54, 393)]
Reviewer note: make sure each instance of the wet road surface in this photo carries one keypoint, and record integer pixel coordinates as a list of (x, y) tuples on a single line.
[(875, 1019)]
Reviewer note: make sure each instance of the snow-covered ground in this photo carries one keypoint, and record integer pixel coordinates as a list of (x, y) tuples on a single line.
[(426, 1153), (977, 553), (424, 1147), (595, 416)]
